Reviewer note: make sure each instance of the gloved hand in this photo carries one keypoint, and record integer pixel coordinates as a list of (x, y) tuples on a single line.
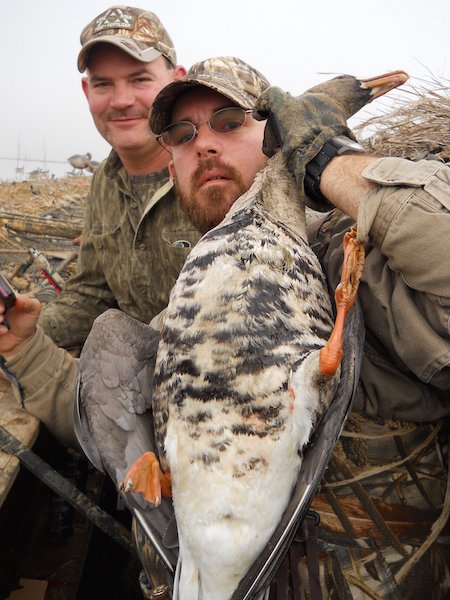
[(300, 126), (295, 122)]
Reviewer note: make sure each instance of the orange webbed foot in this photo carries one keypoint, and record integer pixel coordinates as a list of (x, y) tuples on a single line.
[(345, 294), (146, 477)]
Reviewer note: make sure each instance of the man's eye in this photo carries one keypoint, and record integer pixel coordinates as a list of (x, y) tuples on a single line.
[(230, 125), (181, 133), (183, 138)]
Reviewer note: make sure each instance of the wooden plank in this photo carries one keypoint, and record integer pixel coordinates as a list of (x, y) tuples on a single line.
[(405, 521), (41, 226), (23, 426)]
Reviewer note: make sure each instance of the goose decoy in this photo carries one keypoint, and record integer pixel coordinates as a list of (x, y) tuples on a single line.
[(79, 161), (38, 174), (92, 165), (239, 390)]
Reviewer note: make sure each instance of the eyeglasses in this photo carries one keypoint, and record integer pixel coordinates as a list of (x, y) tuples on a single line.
[(225, 120)]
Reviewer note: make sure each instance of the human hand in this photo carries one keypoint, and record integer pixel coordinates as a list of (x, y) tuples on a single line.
[(21, 319), (294, 122), (301, 125)]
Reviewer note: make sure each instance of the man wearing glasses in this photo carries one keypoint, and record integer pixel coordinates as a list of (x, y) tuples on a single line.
[(215, 144), (205, 122)]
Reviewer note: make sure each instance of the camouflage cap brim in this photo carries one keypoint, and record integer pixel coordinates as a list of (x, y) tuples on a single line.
[(163, 104), (227, 75), (138, 51)]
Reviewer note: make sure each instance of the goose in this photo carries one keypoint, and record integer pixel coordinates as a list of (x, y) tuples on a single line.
[(79, 161), (92, 165)]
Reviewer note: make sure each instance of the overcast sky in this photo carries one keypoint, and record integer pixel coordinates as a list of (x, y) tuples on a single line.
[(296, 44)]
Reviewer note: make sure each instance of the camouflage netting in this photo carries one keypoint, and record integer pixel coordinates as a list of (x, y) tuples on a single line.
[(417, 127)]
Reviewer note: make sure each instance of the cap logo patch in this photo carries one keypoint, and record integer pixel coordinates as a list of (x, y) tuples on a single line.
[(114, 19)]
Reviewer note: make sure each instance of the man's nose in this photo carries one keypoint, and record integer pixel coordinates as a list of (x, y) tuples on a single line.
[(122, 96), (206, 141)]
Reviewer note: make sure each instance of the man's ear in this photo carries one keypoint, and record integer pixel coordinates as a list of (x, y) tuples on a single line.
[(171, 169), (85, 86), (179, 72)]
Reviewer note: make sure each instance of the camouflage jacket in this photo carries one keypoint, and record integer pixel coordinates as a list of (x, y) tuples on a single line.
[(130, 255)]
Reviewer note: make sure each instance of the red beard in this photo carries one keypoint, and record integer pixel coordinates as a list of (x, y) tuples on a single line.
[(206, 208)]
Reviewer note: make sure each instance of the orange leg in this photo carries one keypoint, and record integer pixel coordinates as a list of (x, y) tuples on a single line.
[(145, 476), (352, 267)]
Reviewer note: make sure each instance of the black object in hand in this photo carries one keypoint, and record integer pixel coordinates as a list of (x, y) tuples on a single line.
[(7, 294)]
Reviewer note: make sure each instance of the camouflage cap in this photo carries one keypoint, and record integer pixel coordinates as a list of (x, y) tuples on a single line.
[(230, 76), (137, 32)]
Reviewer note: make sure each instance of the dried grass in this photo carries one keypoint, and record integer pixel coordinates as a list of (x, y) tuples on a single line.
[(37, 197), (418, 126), (45, 202)]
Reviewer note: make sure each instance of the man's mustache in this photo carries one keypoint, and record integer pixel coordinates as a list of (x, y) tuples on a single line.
[(208, 165), (126, 113)]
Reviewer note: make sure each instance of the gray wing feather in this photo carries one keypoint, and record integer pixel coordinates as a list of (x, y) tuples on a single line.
[(116, 367), (115, 406)]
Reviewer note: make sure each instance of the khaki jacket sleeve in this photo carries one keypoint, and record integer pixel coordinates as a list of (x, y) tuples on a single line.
[(405, 289), (408, 219), (47, 377)]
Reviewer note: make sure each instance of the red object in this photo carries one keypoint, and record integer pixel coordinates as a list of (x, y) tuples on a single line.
[(49, 278)]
